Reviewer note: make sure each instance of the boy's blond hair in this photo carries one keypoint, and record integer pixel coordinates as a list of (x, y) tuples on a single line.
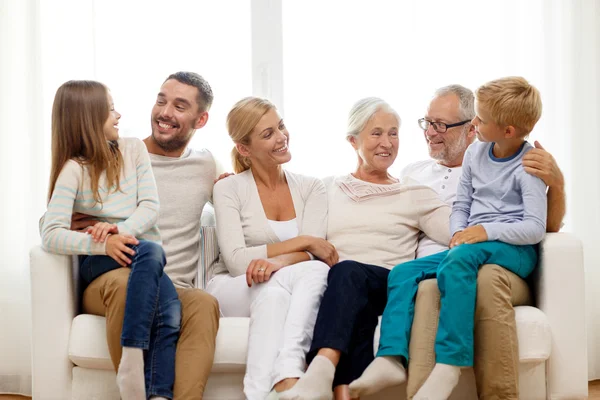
[(511, 101)]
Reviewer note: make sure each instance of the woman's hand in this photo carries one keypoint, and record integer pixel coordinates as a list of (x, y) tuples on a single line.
[(260, 271), (538, 162), (323, 250), (101, 230), (117, 249), (470, 235)]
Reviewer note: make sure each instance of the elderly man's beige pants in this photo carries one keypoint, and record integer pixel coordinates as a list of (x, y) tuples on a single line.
[(105, 296), (496, 348)]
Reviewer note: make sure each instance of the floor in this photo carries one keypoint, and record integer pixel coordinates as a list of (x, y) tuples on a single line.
[(594, 393)]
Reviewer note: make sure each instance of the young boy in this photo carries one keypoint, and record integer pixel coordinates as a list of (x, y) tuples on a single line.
[(499, 217)]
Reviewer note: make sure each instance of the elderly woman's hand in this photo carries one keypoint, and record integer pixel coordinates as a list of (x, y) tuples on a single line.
[(323, 250), (538, 162)]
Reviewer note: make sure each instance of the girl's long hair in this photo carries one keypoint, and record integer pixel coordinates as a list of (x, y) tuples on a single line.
[(79, 113)]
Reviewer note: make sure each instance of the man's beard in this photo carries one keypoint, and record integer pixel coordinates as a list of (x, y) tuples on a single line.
[(173, 144), (450, 152)]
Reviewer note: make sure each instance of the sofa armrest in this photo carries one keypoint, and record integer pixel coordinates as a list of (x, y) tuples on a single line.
[(559, 285), (54, 304)]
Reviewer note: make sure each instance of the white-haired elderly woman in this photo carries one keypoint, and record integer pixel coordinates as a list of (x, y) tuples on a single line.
[(374, 221)]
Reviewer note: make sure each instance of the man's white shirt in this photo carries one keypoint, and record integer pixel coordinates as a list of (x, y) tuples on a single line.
[(444, 181)]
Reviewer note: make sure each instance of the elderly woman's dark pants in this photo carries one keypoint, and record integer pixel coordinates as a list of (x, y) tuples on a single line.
[(355, 297)]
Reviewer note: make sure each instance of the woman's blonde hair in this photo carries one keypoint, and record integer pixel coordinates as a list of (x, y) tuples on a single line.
[(79, 113), (511, 101), (241, 121)]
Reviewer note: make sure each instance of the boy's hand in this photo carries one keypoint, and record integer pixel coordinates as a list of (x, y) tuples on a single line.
[(101, 230), (470, 235)]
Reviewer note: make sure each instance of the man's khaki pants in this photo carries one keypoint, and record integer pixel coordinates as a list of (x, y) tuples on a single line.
[(496, 348), (105, 296)]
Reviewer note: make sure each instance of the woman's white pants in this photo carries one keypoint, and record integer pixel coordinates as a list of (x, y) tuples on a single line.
[(282, 313)]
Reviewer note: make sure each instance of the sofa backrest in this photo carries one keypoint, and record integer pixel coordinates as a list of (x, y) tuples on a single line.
[(209, 247)]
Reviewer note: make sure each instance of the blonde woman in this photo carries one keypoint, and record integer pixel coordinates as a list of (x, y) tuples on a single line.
[(271, 226)]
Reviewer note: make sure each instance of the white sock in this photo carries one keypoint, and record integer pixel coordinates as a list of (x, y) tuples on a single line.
[(315, 384), (383, 372), (130, 376), (158, 398), (440, 384)]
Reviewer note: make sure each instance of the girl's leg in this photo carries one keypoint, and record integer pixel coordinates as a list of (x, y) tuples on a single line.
[(159, 360), (142, 294), (140, 308)]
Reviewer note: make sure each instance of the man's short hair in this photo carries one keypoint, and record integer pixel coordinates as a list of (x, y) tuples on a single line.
[(511, 101), (205, 94), (466, 99)]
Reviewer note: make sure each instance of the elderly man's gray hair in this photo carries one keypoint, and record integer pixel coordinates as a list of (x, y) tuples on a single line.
[(465, 97), (363, 110)]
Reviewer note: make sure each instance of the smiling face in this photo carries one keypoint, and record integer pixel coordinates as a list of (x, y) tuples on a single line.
[(111, 129), (176, 115), (449, 147), (268, 141), (377, 144)]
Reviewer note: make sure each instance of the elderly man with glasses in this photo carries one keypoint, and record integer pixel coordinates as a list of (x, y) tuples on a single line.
[(448, 132)]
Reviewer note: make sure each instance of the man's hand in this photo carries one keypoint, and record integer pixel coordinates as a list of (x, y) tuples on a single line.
[(470, 235), (100, 231), (323, 250), (116, 248), (223, 176), (79, 221), (261, 270), (538, 162)]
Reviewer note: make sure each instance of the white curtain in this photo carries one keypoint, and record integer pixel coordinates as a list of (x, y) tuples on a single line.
[(323, 56)]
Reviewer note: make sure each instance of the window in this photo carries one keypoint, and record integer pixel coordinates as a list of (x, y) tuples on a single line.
[(337, 52), (139, 44)]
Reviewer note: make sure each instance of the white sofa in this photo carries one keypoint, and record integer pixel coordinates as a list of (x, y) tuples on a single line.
[(71, 359)]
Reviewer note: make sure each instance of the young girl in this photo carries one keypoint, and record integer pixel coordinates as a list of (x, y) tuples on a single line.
[(95, 172)]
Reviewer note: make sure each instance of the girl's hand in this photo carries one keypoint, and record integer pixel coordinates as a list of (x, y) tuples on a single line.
[(470, 235), (261, 270), (117, 249), (101, 230), (323, 250)]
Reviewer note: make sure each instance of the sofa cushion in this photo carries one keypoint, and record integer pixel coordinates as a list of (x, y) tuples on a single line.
[(87, 344), (88, 347), (534, 335)]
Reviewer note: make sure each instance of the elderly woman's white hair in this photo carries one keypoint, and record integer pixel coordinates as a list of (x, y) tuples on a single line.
[(363, 110)]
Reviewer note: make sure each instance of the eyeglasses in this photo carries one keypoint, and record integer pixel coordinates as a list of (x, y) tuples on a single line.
[(439, 127)]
